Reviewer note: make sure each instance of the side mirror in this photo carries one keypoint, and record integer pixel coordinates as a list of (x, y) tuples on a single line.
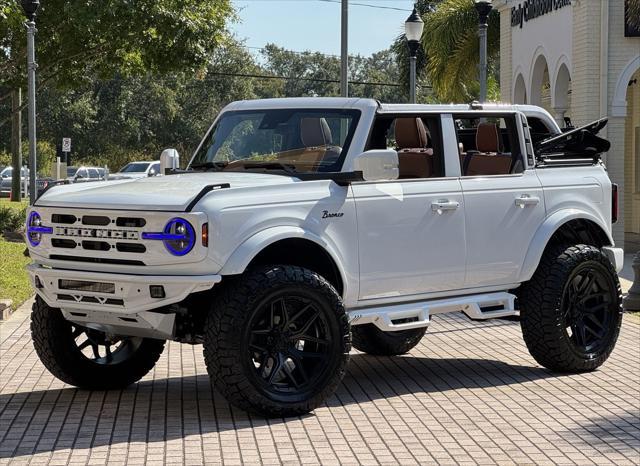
[(169, 159), (152, 172), (378, 165)]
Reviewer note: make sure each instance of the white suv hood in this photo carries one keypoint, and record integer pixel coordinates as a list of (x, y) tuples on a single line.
[(167, 193)]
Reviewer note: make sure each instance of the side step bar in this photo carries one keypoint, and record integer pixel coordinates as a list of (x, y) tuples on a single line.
[(415, 315)]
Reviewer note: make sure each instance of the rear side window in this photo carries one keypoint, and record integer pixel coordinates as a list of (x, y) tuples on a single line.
[(93, 173), (488, 145), (418, 141)]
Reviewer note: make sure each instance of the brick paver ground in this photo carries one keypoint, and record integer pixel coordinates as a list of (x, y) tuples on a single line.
[(469, 393)]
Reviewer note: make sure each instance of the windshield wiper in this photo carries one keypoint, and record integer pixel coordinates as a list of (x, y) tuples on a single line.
[(287, 168), (215, 166)]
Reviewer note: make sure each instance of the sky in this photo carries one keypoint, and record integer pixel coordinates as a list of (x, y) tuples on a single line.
[(315, 24)]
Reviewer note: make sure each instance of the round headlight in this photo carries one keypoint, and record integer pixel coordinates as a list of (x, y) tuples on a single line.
[(34, 222), (180, 237)]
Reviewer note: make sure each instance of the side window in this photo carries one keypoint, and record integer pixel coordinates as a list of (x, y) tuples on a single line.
[(93, 173), (81, 173), (417, 140), (488, 145)]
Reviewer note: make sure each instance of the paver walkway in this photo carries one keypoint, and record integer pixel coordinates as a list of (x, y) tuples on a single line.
[(469, 393)]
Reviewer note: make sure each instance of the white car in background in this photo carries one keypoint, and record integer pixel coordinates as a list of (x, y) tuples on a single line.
[(134, 170), (85, 174)]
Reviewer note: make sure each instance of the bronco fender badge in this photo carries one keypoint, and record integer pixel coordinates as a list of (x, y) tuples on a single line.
[(327, 214)]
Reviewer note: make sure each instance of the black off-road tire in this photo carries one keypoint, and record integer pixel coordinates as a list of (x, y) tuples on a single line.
[(371, 340), (240, 372), (56, 347), (548, 315)]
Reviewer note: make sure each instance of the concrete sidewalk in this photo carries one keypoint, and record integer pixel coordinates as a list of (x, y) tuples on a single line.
[(469, 393)]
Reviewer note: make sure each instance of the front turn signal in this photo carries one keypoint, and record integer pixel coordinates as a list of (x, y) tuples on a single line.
[(205, 235)]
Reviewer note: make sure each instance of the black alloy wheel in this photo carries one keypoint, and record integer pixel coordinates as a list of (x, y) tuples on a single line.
[(101, 348), (587, 307), (289, 345)]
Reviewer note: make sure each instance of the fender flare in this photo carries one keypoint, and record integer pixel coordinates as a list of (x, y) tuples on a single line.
[(547, 230), (243, 255)]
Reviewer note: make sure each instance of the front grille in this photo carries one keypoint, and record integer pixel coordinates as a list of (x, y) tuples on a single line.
[(95, 260), (113, 234)]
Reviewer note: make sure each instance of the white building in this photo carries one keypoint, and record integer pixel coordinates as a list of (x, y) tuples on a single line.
[(580, 59)]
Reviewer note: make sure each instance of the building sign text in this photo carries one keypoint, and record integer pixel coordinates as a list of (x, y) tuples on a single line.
[(531, 9)]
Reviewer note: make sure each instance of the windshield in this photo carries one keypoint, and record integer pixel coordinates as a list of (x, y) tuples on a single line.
[(135, 167), (6, 172), (71, 171), (304, 140)]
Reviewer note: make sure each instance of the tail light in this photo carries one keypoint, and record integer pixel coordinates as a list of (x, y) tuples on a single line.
[(614, 203)]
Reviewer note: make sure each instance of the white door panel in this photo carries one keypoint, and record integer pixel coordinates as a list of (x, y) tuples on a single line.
[(502, 215), (411, 237)]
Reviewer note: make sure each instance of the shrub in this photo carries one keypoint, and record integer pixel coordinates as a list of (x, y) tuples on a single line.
[(12, 219)]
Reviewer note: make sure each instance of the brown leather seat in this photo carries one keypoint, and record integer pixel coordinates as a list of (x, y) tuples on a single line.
[(488, 160), (414, 159), (316, 137)]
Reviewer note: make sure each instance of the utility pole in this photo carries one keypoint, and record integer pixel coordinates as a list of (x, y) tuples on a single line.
[(344, 50), (16, 140), (31, 69)]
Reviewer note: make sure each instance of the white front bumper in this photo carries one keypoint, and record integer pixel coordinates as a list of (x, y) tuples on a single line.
[(130, 294)]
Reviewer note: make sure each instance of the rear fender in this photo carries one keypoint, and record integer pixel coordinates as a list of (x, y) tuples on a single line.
[(547, 230)]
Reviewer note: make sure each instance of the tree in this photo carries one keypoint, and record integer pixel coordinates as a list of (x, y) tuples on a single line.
[(451, 43), (79, 40)]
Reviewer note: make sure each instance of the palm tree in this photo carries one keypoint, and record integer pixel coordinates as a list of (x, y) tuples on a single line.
[(451, 44)]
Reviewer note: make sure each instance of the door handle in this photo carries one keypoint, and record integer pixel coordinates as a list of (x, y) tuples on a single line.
[(526, 200), (444, 204)]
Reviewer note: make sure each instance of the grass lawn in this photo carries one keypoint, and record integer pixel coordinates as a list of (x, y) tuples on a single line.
[(14, 282)]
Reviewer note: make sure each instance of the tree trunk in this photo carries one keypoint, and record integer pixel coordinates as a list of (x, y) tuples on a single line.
[(16, 143)]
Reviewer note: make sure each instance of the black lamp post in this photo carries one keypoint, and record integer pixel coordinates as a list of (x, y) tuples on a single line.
[(30, 8), (483, 7), (413, 27)]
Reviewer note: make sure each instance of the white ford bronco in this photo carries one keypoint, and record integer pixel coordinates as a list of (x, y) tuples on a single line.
[(303, 227)]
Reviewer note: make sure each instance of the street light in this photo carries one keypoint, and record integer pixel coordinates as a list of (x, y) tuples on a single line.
[(413, 27), (483, 7), (30, 8)]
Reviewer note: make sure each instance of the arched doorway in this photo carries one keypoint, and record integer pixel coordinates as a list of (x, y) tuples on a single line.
[(632, 161), (520, 91), (624, 132), (561, 99), (540, 88)]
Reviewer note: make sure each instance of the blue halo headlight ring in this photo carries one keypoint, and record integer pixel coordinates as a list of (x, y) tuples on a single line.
[(178, 236), (35, 230)]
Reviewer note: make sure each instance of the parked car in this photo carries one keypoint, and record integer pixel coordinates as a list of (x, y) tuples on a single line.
[(6, 176), (303, 227), (6, 179), (84, 174), (134, 170)]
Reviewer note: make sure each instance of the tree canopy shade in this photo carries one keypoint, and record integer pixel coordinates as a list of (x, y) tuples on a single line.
[(451, 44), (78, 39)]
